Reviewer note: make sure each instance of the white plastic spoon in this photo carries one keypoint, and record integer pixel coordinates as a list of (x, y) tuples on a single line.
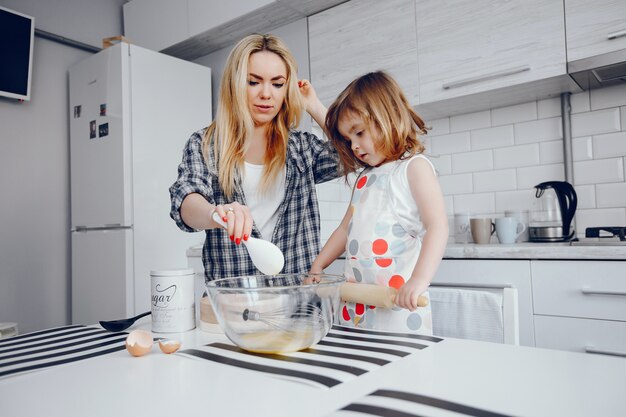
[(265, 255)]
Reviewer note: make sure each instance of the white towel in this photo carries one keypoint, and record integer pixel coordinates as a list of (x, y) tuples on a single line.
[(467, 313)]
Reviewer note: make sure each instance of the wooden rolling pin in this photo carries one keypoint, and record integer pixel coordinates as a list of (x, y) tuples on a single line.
[(373, 295)]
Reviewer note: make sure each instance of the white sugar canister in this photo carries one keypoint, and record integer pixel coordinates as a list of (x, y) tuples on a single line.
[(173, 303)]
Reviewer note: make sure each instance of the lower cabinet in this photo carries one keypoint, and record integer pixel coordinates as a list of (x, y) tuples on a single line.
[(603, 337), (580, 306)]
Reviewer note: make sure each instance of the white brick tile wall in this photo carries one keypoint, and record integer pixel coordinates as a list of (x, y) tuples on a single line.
[(443, 164), (610, 144), (456, 184), (580, 102), (598, 218), (495, 180), (470, 121), (604, 98), (586, 195), (530, 176), (490, 161), (439, 126), (483, 203), (515, 200), (538, 130), (451, 143), (550, 107), (596, 122), (582, 148), (493, 137), (472, 161), (516, 156), (514, 114), (551, 152), (449, 202), (611, 195), (599, 171)]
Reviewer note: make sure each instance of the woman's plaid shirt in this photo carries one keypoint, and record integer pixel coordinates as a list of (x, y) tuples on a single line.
[(310, 161)]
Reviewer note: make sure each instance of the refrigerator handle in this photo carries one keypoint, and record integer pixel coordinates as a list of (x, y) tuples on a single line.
[(105, 227)]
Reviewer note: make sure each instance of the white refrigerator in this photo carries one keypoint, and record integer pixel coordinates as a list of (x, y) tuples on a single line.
[(131, 113)]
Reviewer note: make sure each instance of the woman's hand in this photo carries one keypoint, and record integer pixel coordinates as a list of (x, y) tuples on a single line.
[(312, 103), (238, 220), (408, 293)]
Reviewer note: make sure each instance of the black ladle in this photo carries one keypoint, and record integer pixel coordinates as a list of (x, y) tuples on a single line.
[(119, 325)]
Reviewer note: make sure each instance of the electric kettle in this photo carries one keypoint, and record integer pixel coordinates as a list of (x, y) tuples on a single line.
[(552, 212)]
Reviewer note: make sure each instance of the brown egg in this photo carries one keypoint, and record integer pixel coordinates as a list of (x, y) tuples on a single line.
[(139, 342), (169, 346)]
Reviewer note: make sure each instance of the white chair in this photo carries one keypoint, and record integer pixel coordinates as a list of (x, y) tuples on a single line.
[(476, 312)]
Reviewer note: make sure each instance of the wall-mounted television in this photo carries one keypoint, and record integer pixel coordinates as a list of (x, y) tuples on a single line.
[(17, 34)]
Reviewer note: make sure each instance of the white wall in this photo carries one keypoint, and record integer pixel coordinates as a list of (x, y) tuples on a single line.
[(34, 165)]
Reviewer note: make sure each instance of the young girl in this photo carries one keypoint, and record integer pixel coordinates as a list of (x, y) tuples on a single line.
[(251, 166), (395, 230)]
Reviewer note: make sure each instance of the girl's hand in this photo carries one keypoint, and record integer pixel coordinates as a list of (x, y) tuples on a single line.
[(238, 220), (409, 292), (308, 93)]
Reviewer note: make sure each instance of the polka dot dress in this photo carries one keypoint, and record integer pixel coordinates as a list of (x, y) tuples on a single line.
[(380, 251)]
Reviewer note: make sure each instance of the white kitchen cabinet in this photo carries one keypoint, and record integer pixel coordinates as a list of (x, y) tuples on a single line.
[(594, 28), (580, 305), (484, 273), (189, 29), (472, 47), (602, 337), (360, 36)]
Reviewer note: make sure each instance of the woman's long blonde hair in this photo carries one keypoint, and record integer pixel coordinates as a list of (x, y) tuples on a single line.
[(233, 122), (379, 101)]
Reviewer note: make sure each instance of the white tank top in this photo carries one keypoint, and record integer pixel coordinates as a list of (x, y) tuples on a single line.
[(263, 207)]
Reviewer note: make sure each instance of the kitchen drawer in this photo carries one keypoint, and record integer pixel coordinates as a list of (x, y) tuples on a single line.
[(586, 289), (581, 335)]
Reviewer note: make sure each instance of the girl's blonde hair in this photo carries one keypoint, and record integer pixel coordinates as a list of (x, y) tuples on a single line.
[(233, 122), (378, 100)]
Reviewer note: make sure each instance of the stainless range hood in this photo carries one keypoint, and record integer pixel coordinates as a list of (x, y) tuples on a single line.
[(599, 71)]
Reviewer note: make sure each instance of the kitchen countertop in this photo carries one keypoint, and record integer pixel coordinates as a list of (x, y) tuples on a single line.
[(515, 251), (529, 250), (505, 379)]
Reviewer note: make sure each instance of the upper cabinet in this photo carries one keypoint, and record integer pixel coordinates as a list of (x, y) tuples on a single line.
[(594, 28), (471, 47), (189, 29), (360, 36)]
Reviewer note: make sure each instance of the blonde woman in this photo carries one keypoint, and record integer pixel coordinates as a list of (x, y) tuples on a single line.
[(395, 230), (252, 168)]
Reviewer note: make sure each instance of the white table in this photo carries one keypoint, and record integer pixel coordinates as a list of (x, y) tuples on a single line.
[(505, 379)]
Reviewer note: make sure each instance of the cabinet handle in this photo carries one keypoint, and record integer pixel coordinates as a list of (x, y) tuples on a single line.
[(486, 77), (471, 285), (615, 35), (591, 349), (587, 291)]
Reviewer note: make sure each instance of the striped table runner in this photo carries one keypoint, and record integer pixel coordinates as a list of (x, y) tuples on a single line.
[(57, 346), (391, 403), (344, 354)]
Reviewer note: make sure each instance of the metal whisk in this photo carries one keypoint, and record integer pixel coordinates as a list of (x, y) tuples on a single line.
[(283, 318)]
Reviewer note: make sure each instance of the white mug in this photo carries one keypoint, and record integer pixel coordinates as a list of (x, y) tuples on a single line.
[(522, 216), (462, 232), (508, 229), (173, 303)]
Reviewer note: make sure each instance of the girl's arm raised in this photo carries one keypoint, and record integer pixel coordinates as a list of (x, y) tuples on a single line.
[(313, 104), (427, 194)]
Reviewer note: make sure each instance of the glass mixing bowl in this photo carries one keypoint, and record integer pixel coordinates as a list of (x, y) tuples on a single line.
[(276, 314)]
